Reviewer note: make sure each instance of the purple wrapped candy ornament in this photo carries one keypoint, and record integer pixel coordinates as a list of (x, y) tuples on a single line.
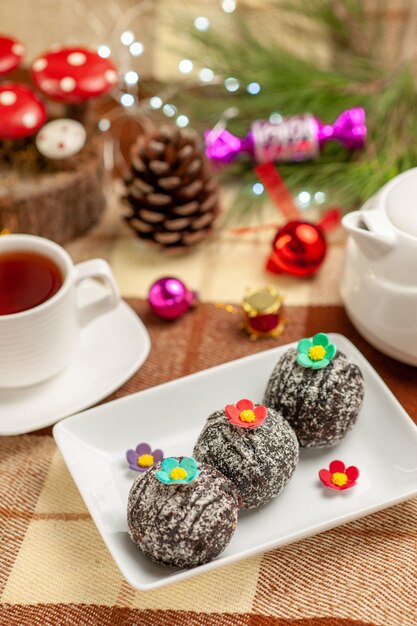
[(294, 138)]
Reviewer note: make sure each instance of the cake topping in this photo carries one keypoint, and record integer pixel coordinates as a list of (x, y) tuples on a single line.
[(21, 113), (11, 53), (61, 139), (143, 458), (338, 477), (174, 472), (178, 473), (315, 353), (73, 74), (245, 414)]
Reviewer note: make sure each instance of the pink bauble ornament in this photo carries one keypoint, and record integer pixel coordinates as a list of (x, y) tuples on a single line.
[(169, 298)]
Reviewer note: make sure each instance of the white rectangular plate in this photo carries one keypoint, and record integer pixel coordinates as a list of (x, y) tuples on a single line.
[(383, 445)]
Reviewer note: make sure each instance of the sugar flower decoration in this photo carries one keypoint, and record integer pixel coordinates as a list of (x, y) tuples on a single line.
[(337, 477), (245, 414), (143, 458), (315, 353), (174, 472)]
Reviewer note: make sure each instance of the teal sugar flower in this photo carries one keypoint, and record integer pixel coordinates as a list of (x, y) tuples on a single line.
[(174, 472), (315, 353)]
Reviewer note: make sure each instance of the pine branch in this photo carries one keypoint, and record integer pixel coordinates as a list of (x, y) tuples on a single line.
[(291, 84)]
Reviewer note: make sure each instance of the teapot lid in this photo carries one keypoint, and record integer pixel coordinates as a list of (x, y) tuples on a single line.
[(401, 204)]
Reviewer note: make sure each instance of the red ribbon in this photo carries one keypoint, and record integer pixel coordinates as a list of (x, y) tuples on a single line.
[(278, 190), (329, 220), (283, 200)]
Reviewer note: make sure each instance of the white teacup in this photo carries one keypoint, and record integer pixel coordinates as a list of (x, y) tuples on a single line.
[(39, 342)]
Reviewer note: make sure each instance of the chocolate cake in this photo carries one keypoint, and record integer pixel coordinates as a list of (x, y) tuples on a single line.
[(259, 457), (59, 200), (59, 197), (182, 523), (320, 403)]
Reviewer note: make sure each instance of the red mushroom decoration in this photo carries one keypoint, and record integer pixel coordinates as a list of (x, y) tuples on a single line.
[(73, 74), (21, 112), (11, 53)]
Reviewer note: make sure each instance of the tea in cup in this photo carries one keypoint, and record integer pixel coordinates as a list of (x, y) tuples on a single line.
[(40, 319)]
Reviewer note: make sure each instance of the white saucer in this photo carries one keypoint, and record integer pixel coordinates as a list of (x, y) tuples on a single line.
[(110, 350)]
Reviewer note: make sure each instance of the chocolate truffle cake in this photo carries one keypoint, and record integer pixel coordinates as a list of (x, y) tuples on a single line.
[(59, 200), (317, 390), (253, 446), (182, 513), (51, 185)]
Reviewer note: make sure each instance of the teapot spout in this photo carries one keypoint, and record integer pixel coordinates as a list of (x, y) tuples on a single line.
[(369, 234)]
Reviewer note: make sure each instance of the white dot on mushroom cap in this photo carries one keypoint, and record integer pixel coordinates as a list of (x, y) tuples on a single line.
[(76, 58), (111, 76), (18, 49), (48, 85), (40, 65), (67, 84), (29, 120), (7, 98)]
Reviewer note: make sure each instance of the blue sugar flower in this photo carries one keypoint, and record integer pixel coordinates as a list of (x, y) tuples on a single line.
[(317, 352), (174, 472)]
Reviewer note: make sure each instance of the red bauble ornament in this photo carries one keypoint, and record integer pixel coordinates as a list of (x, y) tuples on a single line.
[(298, 248)]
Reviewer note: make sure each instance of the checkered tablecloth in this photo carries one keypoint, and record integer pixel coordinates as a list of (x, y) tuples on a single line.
[(55, 569)]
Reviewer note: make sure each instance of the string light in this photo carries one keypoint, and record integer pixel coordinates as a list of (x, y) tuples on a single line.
[(104, 124), (230, 113), (103, 52), (275, 118), (304, 199), (258, 189), (202, 23), (320, 197), (155, 102), (182, 121), (136, 48), (229, 6), (206, 75), (127, 37), (127, 100), (185, 66), (231, 84), (131, 77), (169, 110), (253, 88)]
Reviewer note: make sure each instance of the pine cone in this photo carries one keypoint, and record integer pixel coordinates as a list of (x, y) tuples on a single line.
[(171, 194)]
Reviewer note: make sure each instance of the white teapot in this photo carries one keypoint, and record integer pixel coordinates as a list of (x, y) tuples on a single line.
[(379, 280)]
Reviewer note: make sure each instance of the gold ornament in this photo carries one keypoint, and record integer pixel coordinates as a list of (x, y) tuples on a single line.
[(262, 312)]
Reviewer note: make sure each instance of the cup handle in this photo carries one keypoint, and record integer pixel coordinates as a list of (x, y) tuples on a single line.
[(96, 268)]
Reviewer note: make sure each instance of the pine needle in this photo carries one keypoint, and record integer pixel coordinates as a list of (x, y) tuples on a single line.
[(291, 85)]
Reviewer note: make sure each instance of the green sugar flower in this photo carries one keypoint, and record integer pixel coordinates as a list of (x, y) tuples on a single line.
[(317, 352), (174, 472)]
